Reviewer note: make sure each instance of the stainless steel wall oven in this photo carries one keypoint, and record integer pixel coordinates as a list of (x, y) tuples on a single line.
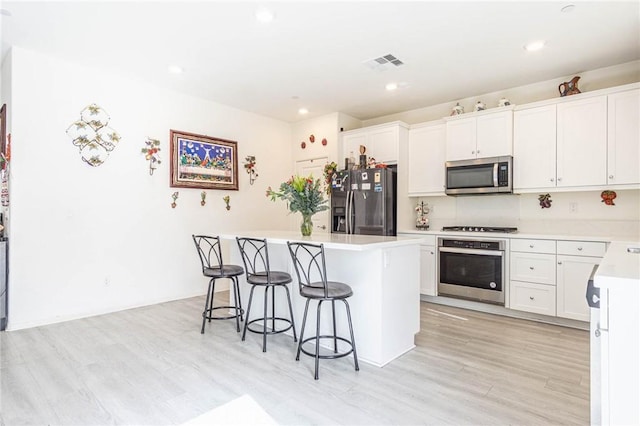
[(472, 269)]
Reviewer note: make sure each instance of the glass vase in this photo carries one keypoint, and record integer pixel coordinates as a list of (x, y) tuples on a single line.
[(306, 227)]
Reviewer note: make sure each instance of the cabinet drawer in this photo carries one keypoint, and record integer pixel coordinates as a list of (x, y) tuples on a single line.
[(530, 297), (533, 267), (582, 248), (534, 246)]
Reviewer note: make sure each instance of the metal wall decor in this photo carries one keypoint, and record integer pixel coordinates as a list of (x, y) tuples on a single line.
[(608, 197), (250, 167), (203, 198), (545, 201), (174, 196), (150, 151), (422, 210), (226, 200), (92, 135)]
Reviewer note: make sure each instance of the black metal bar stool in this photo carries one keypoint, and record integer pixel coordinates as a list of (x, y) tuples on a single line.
[(213, 267), (259, 274), (310, 265)]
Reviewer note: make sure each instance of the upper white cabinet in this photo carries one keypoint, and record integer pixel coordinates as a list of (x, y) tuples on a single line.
[(426, 158), (534, 148), (486, 134), (623, 138), (581, 149), (382, 142), (591, 142)]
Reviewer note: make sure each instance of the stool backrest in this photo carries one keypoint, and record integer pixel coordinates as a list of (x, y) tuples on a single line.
[(208, 250), (255, 255), (310, 265)]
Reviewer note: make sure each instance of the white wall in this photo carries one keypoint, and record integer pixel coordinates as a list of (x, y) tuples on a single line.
[(88, 240)]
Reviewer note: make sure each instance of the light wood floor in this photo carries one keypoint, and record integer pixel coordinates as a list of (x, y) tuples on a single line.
[(152, 366)]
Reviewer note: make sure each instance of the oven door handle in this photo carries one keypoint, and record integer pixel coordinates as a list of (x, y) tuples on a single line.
[(496, 253)]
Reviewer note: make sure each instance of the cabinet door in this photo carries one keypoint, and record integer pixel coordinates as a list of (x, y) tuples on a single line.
[(426, 160), (461, 139), (382, 144), (582, 142), (428, 270), (534, 148), (572, 275), (351, 144), (494, 134), (624, 138)]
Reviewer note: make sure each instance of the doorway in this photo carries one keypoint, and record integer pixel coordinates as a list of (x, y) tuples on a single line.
[(315, 168)]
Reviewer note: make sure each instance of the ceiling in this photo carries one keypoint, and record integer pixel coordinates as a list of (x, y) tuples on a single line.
[(313, 54)]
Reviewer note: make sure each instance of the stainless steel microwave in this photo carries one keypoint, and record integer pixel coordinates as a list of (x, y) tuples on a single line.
[(493, 175)]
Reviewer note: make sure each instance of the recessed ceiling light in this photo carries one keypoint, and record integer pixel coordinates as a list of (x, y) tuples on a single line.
[(303, 111), (174, 69), (534, 45), (568, 8), (264, 15), (391, 86), (5, 12)]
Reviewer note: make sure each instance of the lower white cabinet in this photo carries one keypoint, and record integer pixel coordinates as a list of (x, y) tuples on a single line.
[(547, 283), (428, 270), (531, 297), (576, 260)]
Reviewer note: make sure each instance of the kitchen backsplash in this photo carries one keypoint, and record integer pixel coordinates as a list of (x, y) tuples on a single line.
[(573, 213)]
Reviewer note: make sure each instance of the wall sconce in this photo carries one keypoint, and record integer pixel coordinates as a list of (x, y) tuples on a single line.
[(250, 167)]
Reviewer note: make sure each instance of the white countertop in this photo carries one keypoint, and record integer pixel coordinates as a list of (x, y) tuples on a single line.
[(619, 267), (330, 241)]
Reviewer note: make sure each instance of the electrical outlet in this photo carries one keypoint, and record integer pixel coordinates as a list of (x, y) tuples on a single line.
[(573, 207)]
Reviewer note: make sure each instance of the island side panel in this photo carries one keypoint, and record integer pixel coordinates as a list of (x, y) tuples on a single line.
[(401, 300)]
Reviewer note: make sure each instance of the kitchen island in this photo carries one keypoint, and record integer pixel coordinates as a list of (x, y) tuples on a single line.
[(384, 273)]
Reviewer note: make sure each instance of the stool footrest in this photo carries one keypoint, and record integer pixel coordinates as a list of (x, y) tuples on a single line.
[(208, 313), (327, 356), (273, 331)]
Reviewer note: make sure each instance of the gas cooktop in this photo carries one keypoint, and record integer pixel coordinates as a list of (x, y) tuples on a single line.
[(480, 229)]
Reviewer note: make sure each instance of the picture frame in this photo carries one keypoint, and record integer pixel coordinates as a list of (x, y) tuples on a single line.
[(204, 162), (3, 129)]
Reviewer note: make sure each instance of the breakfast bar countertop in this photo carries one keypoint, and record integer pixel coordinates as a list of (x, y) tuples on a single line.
[(330, 240)]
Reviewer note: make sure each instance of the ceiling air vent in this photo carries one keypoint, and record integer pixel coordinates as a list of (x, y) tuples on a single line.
[(383, 63)]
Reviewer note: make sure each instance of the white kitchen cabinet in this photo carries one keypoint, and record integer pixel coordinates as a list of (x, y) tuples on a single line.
[(532, 276), (576, 260), (382, 142), (487, 134), (623, 145), (531, 297), (581, 142), (428, 270), (426, 160), (534, 148)]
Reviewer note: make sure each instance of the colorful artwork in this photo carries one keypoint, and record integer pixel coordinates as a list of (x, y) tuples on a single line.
[(203, 162), (608, 197)]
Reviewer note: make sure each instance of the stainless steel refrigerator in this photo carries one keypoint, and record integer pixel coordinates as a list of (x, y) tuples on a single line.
[(364, 202)]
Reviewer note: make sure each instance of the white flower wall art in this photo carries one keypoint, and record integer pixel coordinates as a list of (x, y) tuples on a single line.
[(92, 135)]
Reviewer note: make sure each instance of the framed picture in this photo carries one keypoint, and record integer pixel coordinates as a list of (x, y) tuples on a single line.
[(204, 162), (3, 129)]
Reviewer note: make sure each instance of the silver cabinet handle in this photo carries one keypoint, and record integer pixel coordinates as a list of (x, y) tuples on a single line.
[(597, 332), (610, 176), (559, 263), (530, 245), (531, 267), (579, 248), (322, 227), (551, 179), (559, 179), (531, 298)]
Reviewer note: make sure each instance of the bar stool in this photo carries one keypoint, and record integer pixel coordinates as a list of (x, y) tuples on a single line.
[(212, 267), (255, 257), (310, 265)]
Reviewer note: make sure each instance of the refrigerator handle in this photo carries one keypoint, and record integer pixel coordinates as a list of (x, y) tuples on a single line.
[(351, 215), (347, 217)]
